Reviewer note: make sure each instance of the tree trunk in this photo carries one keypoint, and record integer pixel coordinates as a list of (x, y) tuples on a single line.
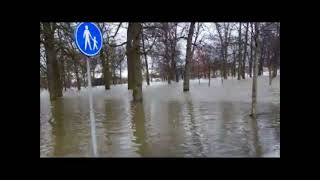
[(84, 79), (129, 56), (225, 63), (239, 55), (234, 64), (105, 68), (173, 65), (199, 72), (137, 86), (275, 69), (76, 70), (255, 74), (64, 72), (213, 72), (245, 53), (53, 72), (269, 61), (167, 58), (120, 74), (68, 76), (145, 58), (114, 76), (251, 52), (188, 58), (270, 76), (151, 69), (209, 76), (262, 57), (177, 75), (225, 54), (173, 71), (93, 76)]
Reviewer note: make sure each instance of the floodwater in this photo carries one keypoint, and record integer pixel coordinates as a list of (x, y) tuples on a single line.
[(205, 122)]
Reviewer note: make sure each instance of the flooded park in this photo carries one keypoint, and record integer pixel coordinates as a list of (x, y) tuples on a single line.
[(169, 89), (206, 122)]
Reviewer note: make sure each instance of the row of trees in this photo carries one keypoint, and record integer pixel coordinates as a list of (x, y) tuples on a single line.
[(227, 48)]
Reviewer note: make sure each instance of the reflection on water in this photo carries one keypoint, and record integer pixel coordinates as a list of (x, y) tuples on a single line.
[(205, 122)]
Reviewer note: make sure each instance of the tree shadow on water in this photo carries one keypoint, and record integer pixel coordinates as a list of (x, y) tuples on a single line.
[(255, 136), (138, 120), (58, 127)]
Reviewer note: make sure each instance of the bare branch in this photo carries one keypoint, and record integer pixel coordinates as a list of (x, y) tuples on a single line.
[(182, 37), (115, 45), (116, 31), (219, 32), (197, 34)]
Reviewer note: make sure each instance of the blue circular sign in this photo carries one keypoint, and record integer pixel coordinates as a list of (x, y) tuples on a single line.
[(88, 38)]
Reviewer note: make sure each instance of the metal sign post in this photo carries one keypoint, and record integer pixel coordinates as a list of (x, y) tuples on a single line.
[(88, 38), (92, 120)]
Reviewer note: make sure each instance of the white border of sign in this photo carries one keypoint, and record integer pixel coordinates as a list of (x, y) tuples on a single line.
[(75, 36)]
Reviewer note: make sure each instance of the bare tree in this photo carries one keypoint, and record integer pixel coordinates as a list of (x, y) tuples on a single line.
[(107, 49), (245, 52), (129, 56), (239, 53), (188, 58), (251, 51), (53, 71), (255, 73), (147, 48), (224, 41), (137, 85)]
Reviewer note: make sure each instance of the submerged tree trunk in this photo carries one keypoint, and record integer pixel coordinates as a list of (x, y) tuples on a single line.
[(53, 72), (137, 85), (255, 73), (188, 58)]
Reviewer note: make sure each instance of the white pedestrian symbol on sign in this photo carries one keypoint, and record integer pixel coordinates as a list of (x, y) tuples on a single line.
[(95, 42), (87, 36)]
